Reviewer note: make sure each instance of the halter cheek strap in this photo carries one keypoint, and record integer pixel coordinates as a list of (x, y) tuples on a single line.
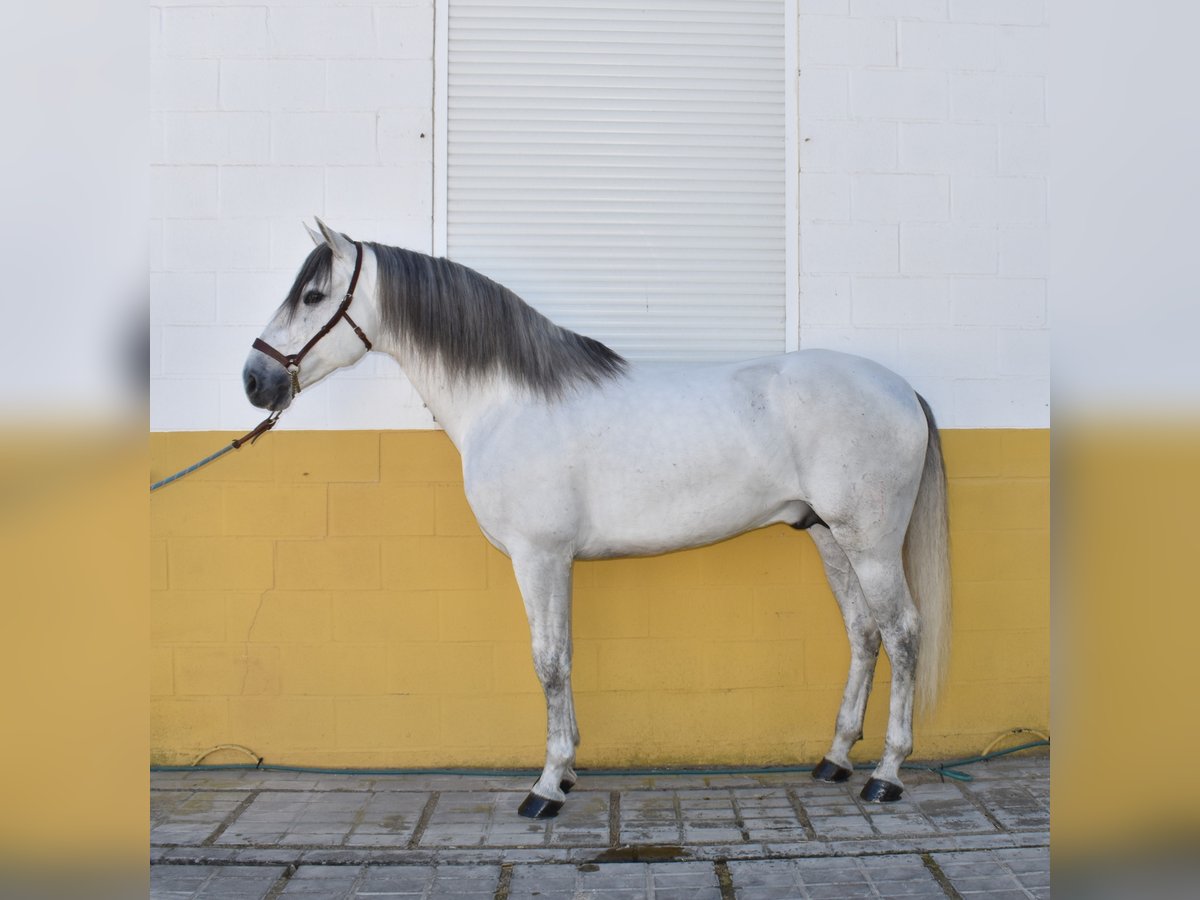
[(292, 361)]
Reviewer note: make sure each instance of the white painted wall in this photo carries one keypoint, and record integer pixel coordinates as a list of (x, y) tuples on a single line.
[(264, 115), (922, 214), (923, 164)]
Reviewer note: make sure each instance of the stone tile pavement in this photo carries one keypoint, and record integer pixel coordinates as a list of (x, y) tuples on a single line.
[(228, 835)]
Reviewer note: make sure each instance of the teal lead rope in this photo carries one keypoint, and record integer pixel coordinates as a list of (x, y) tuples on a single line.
[(250, 437), (949, 769), (192, 468)]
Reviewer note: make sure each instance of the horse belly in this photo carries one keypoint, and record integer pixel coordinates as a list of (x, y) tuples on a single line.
[(652, 502)]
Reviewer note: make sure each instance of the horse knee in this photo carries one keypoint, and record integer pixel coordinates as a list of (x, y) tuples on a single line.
[(553, 675), (552, 664)]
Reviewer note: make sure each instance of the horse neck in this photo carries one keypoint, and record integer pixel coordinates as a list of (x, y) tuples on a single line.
[(456, 399), (455, 402), (454, 405)]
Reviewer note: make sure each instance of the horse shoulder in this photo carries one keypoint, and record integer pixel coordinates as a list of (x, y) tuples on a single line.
[(519, 481)]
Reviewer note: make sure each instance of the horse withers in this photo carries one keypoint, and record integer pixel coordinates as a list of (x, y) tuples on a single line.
[(569, 452)]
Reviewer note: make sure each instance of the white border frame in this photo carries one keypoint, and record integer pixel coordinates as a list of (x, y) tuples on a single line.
[(441, 110), (791, 162), (791, 155)]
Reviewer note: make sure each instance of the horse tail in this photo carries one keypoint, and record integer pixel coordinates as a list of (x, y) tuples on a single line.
[(927, 567)]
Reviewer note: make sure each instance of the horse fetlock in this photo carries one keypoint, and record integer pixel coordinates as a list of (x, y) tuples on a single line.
[(560, 747), (560, 763), (897, 749), (839, 751), (550, 786)]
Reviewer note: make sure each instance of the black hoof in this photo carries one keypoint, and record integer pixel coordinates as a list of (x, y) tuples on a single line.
[(565, 786), (535, 807), (831, 772), (876, 790)]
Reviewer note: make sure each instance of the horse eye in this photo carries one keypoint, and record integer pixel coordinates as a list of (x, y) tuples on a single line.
[(313, 297)]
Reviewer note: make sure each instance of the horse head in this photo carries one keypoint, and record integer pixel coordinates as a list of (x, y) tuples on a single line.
[(307, 339)]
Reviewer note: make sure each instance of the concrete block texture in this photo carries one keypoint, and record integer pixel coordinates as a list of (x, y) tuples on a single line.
[(921, 137), (305, 581)]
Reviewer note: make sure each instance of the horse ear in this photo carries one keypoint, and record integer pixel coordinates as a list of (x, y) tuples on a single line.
[(317, 237), (338, 242)]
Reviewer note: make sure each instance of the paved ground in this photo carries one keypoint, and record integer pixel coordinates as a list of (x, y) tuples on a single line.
[(261, 836)]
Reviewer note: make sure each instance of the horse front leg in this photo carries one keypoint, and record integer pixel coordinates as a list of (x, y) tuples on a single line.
[(545, 582)]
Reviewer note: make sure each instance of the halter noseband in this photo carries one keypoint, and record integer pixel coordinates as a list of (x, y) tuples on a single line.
[(292, 362)]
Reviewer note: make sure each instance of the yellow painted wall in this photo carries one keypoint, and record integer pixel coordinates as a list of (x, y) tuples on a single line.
[(326, 598)]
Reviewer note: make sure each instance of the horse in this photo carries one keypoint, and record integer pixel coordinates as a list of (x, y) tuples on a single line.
[(570, 452)]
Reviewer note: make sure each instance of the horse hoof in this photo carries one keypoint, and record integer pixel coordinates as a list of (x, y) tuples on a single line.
[(535, 807), (831, 772), (877, 790), (565, 786)]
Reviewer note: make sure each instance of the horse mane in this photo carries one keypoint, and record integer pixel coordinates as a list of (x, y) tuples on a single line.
[(472, 325)]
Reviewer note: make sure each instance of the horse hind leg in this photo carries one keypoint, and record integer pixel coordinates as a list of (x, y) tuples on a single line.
[(545, 582), (864, 638), (880, 573)]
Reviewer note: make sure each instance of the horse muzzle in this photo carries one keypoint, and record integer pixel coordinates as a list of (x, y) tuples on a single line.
[(268, 386)]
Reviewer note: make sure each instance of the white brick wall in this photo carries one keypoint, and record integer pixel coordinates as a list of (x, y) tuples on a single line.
[(935, 122), (266, 113), (923, 151)]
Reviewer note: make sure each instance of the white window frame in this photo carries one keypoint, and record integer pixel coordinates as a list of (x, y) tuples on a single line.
[(791, 75)]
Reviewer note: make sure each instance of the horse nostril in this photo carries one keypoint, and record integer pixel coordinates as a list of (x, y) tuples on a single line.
[(251, 383)]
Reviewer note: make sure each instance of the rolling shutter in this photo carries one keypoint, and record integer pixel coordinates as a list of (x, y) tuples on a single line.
[(620, 165)]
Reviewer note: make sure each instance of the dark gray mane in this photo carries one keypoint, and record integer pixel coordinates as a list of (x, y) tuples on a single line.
[(472, 325)]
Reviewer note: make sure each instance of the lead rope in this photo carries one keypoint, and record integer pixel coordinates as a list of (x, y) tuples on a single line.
[(236, 444)]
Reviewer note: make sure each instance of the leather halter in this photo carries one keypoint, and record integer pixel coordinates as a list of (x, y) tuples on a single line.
[(292, 361)]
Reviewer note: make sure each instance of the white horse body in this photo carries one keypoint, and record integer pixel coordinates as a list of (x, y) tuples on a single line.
[(570, 454), (672, 458)]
